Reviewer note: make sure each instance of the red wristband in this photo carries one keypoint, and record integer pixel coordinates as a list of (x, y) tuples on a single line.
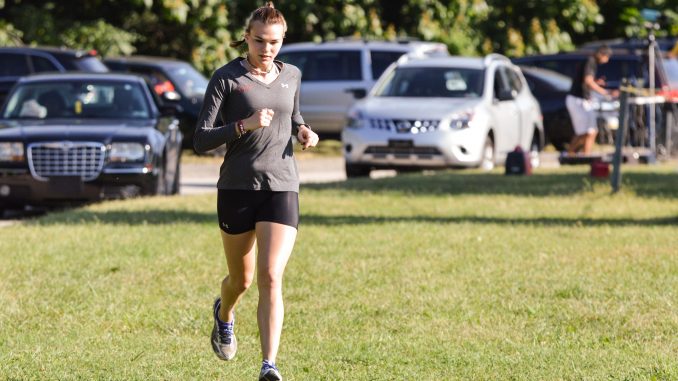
[(241, 127)]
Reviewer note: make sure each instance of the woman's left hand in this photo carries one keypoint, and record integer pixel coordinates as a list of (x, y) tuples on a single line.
[(307, 137)]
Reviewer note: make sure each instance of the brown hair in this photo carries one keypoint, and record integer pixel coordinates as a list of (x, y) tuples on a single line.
[(267, 15)]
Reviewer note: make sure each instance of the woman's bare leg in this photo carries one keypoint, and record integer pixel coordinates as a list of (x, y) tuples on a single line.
[(239, 249), (275, 243)]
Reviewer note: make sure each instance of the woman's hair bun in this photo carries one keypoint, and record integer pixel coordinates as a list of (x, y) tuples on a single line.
[(269, 4)]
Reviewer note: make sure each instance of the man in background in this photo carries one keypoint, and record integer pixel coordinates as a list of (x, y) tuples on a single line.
[(578, 101)]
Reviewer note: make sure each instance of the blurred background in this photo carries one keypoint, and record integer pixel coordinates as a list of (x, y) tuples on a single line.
[(199, 31)]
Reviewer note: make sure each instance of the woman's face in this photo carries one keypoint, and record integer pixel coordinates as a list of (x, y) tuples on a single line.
[(264, 42)]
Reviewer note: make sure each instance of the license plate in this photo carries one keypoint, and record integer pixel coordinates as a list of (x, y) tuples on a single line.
[(401, 143), (70, 185)]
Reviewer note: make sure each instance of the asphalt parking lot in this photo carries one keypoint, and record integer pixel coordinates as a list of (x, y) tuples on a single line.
[(202, 178)]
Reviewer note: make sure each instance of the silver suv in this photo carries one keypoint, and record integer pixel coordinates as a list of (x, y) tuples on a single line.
[(336, 73), (443, 112)]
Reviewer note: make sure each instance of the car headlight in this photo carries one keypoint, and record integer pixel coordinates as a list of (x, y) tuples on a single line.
[(355, 120), (461, 120), (11, 151), (127, 152)]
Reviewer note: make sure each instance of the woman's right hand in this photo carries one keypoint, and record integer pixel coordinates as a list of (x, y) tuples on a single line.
[(260, 118)]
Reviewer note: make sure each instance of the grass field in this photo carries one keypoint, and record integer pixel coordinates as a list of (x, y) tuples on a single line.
[(453, 276)]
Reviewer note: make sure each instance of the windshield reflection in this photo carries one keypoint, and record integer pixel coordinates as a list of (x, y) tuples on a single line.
[(77, 100), (188, 80)]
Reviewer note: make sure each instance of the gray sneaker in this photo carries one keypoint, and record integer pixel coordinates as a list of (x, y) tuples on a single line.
[(269, 373), (223, 340)]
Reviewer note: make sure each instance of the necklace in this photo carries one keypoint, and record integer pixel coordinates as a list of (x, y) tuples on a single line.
[(256, 71)]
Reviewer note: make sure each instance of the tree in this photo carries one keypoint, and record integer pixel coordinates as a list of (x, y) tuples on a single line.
[(200, 30)]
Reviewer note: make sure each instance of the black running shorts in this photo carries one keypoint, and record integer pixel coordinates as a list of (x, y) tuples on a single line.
[(240, 210)]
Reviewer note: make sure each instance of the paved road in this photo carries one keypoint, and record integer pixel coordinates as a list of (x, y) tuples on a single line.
[(202, 178)]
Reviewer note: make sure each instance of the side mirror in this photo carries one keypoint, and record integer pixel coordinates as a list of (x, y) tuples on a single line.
[(357, 93), (506, 95), (170, 96)]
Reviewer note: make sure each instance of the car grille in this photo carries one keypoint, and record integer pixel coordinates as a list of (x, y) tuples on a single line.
[(52, 159), (422, 152), (405, 126)]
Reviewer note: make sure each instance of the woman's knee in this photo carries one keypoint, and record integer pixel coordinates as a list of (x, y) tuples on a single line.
[(270, 279), (239, 284)]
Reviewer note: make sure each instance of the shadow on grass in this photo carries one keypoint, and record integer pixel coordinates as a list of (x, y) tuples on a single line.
[(663, 185), (126, 217), (167, 217), (323, 220)]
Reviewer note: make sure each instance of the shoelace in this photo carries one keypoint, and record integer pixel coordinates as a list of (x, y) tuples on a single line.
[(225, 332), (266, 366), (225, 329)]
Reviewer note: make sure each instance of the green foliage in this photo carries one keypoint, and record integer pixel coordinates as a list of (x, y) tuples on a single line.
[(9, 35), (199, 31), (101, 36)]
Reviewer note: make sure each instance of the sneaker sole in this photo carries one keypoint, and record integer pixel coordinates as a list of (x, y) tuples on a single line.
[(270, 376)]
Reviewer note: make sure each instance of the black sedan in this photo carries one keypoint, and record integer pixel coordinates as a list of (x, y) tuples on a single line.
[(71, 138), (550, 88)]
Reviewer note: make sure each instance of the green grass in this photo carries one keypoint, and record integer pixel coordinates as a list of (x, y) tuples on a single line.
[(458, 275)]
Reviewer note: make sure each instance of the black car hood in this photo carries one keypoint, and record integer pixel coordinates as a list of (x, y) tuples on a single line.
[(76, 130)]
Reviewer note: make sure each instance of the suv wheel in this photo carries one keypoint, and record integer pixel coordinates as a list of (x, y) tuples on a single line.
[(176, 183), (559, 144), (487, 159), (357, 170), (535, 159)]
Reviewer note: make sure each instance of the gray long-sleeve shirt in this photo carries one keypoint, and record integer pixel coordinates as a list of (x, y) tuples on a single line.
[(261, 159)]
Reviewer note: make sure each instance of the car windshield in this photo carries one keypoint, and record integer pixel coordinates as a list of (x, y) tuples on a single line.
[(618, 68), (444, 82), (77, 100), (190, 81)]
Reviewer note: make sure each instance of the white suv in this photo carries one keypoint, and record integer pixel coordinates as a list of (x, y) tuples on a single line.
[(443, 112), (336, 73)]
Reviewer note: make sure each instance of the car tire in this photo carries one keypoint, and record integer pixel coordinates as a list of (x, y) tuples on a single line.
[(357, 170), (176, 184), (161, 181), (535, 159), (488, 155), (559, 145)]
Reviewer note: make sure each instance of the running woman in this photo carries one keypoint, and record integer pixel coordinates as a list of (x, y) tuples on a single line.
[(257, 98)]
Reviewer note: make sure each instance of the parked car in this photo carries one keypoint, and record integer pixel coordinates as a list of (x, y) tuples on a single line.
[(71, 138), (174, 81), (664, 44), (630, 64), (623, 63), (550, 89), (337, 73), (16, 62), (443, 112)]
